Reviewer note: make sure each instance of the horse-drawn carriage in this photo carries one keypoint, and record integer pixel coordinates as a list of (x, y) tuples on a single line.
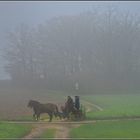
[(71, 110), (74, 110)]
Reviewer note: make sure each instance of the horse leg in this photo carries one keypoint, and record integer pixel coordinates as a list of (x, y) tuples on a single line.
[(38, 116), (35, 116), (51, 116), (55, 114), (60, 116)]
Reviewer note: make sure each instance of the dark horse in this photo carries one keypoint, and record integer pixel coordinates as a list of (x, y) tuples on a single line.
[(49, 108)]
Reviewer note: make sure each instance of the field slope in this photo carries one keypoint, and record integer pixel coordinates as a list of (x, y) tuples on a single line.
[(13, 130), (109, 129), (114, 106)]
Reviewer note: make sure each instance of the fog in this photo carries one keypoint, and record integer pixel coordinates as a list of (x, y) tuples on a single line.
[(85, 49), (50, 50)]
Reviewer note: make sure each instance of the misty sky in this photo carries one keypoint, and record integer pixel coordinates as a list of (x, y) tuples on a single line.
[(34, 13)]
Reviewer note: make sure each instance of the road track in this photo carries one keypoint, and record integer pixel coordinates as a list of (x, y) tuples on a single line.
[(71, 122), (93, 105)]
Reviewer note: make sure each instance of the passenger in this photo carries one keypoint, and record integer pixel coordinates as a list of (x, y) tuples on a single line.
[(77, 102), (69, 104), (69, 100)]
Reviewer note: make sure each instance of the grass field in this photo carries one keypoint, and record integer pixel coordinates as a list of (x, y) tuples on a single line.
[(114, 106), (13, 130), (116, 129), (13, 106)]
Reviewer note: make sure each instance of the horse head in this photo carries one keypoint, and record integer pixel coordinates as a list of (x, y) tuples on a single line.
[(32, 103)]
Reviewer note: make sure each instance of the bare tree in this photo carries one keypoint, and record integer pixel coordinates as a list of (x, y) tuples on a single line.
[(95, 49)]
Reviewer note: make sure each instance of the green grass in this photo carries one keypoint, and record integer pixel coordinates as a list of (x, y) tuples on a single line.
[(13, 130), (117, 129), (48, 134), (114, 106)]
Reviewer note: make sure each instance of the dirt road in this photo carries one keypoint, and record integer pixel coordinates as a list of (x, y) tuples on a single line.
[(62, 131)]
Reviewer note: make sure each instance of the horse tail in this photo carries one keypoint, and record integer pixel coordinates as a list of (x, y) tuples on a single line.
[(56, 109)]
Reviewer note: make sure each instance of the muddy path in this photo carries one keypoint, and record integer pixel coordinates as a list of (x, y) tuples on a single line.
[(36, 131), (61, 131)]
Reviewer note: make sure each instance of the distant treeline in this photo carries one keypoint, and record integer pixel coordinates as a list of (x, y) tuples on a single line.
[(96, 50)]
